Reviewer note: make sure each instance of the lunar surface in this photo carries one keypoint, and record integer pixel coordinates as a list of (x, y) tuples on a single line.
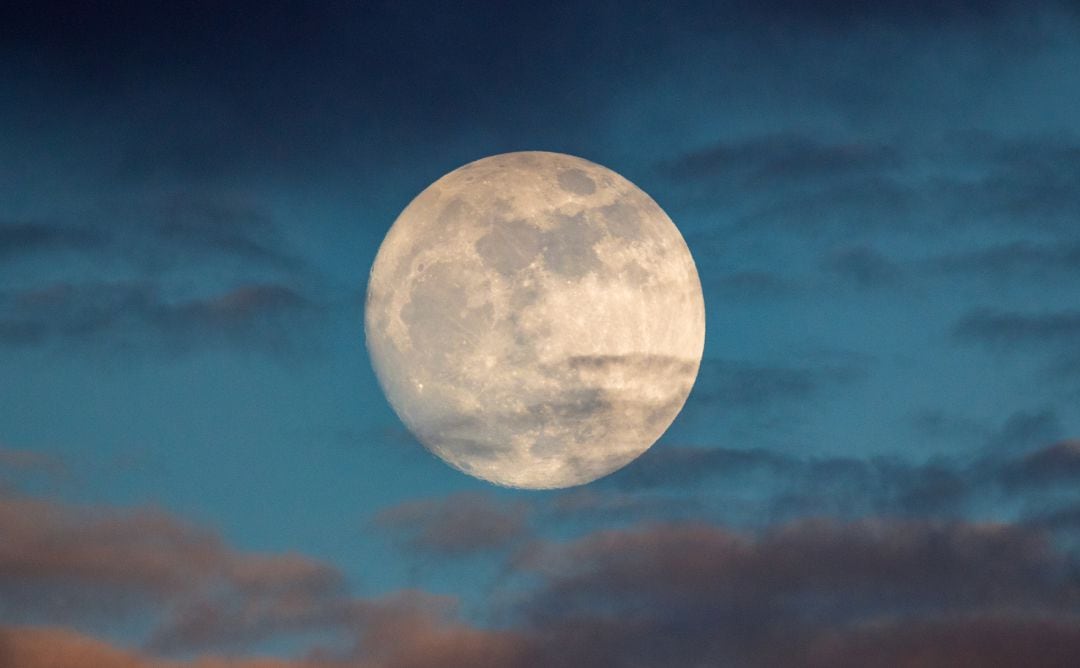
[(535, 319)]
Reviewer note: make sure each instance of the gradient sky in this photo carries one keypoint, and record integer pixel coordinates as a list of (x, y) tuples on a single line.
[(879, 462)]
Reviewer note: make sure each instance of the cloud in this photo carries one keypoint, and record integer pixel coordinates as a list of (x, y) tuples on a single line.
[(158, 232), (44, 647), (192, 224), (809, 592), (1065, 367), (696, 565), (17, 464), (1015, 260), (1064, 518), (1057, 464), (863, 266), (27, 238), (991, 640), (856, 189), (1024, 431), (753, 386), (79, 564), (780, 486), (457, 525), (136, 315), (1027, 183), (158, 236), (767, 161), (687, 466), (869, 204), (1012, 462), (582, 505), (86, 566), (1009, 329), (1021, 184), (796, 182), (941, 425), (258, 598), (743, 285), (417, 630), (769, 599)]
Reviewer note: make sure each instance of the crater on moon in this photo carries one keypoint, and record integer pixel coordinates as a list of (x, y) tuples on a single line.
[(577, 182), (535, 319), (510, 246)]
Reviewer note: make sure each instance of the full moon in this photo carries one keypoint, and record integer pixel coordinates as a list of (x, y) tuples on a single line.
[(535, 319)]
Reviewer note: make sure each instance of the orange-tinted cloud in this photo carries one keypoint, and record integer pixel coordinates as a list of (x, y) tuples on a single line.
[(44, 647), (17, 466), (68, 563), (807, 593)]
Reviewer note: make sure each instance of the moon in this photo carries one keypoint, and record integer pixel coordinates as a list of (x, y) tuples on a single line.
[(535, 319)]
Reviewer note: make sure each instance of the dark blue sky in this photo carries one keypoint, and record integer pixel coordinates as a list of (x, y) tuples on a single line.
[(879, 462)]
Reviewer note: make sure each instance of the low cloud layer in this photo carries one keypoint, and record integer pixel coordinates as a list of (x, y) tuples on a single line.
[(807, 592), (794, 593), (77, 564)]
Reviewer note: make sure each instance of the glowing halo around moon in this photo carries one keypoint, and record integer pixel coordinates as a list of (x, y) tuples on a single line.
[(535, 319)]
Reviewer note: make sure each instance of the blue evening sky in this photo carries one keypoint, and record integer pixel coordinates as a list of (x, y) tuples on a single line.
[(883, 201)]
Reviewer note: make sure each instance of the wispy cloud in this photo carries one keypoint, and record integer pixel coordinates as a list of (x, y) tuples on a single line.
[(785, 159), (18, 466), (780, 597), (1052, 336), (157, 232), (1058, 464), (461, 524), (747, 385), (1011, 468), (45, 647), (21, 239), (138, 316), (1016, 329), (72, 563), (1014, 260), (863, 266), (84, 566), (857, 189)]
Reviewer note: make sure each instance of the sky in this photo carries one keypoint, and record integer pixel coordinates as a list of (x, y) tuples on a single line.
[(879, 463)]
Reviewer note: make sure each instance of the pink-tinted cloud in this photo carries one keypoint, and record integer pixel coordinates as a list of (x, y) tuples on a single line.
[(34, 647), (78, 565), (72, 563), (418, 630), (18, 460), (17, 465), (992, 641), (810, 593), (455, 525)]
